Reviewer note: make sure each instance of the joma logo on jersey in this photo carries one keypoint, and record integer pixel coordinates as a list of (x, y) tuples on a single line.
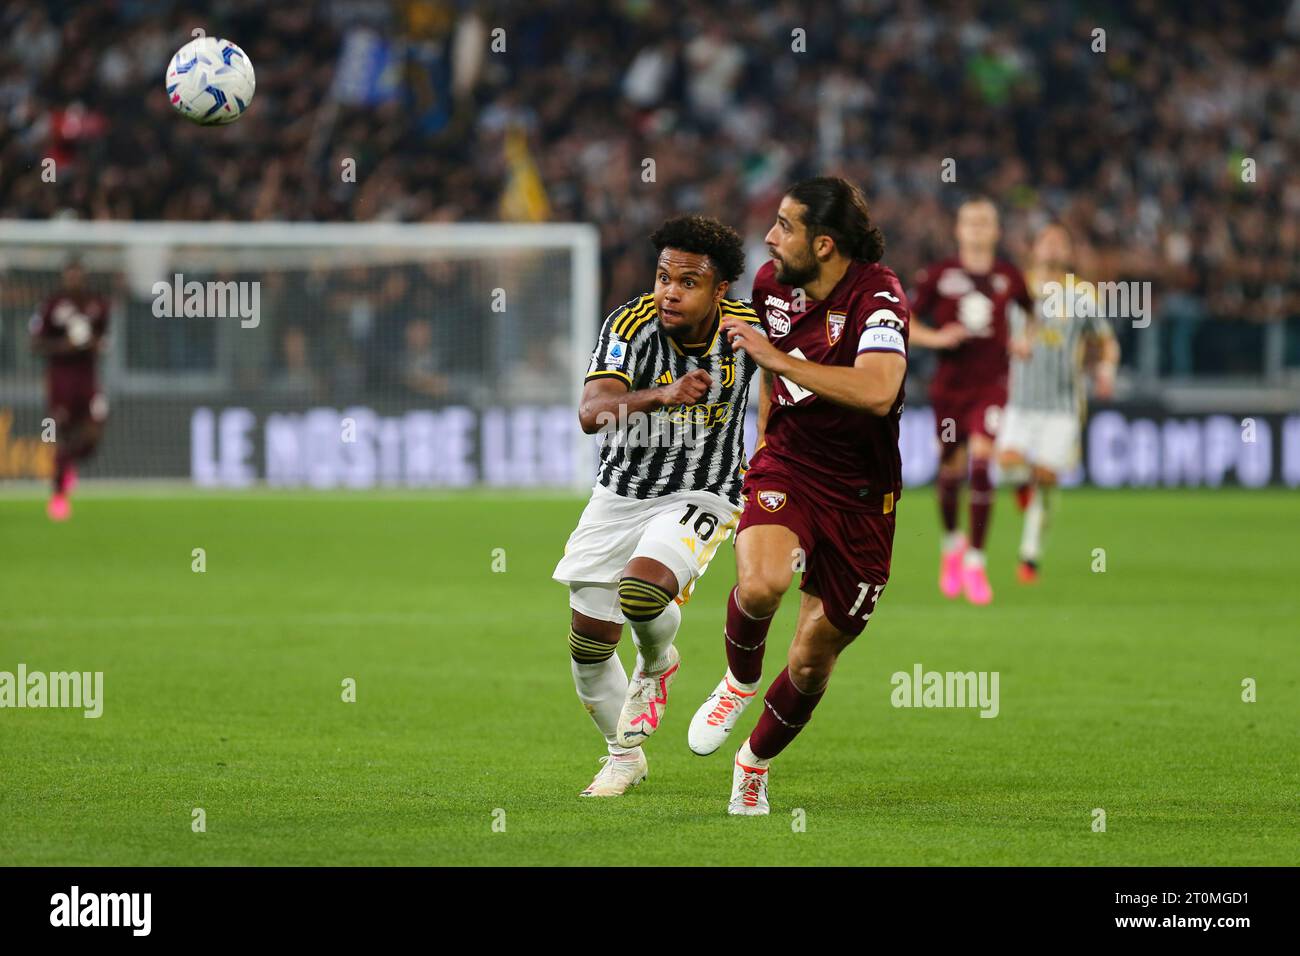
[(703, 414), (835, 326)]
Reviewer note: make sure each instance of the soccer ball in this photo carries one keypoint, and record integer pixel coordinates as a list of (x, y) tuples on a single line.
[(210, 81)]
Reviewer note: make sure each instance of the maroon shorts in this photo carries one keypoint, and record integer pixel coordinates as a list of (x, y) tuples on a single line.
[(959, 415), (72, 399), (846, 553)]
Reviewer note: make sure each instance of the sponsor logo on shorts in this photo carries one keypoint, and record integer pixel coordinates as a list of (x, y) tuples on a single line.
[(835, 325), (772, 500)]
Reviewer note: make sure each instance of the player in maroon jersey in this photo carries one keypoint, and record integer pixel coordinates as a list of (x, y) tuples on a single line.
[(969, 300), (820, 493), (69, 332)]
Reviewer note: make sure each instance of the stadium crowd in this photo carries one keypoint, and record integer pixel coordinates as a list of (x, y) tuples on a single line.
[(1163, 142)]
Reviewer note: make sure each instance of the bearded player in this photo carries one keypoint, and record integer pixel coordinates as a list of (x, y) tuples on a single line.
[(1039, 438), (821, 491), (970, 298), (69, 332), (669, 392)]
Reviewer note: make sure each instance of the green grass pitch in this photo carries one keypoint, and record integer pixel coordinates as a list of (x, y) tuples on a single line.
[(1120, 690)]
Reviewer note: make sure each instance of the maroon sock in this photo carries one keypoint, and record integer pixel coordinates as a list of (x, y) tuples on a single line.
[(62, 462), (785, 711), (981, 502), (746, 639), (949, 488)]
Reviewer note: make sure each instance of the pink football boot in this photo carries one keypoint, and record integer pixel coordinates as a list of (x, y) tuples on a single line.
[(58, 509), (950, 579), (975, 582)]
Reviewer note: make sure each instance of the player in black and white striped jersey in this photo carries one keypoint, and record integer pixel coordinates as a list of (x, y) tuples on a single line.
[(669, 394), (691, 448), (1039, 438)]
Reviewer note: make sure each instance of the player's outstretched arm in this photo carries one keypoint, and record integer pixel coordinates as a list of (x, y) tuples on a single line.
[(871, 384), (948, 337), (607, 401)]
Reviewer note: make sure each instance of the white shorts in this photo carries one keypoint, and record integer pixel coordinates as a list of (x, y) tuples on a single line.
[(681, 531), (1047, 439)]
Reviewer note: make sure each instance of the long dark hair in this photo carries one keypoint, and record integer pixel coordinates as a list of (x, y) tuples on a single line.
[(837, 208)]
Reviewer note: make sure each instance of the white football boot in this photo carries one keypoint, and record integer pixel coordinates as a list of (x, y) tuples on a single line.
[(748, 790), (647, 697), (618, 775), (717, 716)]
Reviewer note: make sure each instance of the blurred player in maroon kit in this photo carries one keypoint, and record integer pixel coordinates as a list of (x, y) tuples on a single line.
[(820, 493), (969, 298), (69, 332)]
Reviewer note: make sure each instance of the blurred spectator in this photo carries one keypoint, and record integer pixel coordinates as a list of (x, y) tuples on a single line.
[(295, 378), (421, 374), (543, 376), (1142, 149)]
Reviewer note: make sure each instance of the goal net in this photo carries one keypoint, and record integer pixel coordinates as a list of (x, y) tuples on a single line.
[(315, 355)]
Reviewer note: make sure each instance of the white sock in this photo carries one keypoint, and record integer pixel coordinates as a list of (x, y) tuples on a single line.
[(602, 688), (1031, 535), (740, 685), (746, 756), (973, 558), (653, 638), (952, 540)]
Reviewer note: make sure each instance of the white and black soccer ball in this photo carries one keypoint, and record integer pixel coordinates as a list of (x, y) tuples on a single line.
[(210, 81)]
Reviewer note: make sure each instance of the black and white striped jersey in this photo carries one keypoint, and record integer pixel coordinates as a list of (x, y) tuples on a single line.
[(698, 447), (1051, 379)]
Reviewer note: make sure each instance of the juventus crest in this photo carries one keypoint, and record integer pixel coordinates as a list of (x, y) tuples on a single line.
[(728, 367)]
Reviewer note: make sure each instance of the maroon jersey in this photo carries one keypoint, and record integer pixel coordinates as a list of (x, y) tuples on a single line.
[(76, 318), (946, 293), (849, 457)]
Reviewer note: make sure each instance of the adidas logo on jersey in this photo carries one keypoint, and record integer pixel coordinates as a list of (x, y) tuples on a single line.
[(665, 379)]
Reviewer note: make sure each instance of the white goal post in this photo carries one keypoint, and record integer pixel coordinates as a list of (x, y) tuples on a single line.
[(453, 346)]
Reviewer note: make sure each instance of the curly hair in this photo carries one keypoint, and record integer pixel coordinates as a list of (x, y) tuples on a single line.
[(707, 237)]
